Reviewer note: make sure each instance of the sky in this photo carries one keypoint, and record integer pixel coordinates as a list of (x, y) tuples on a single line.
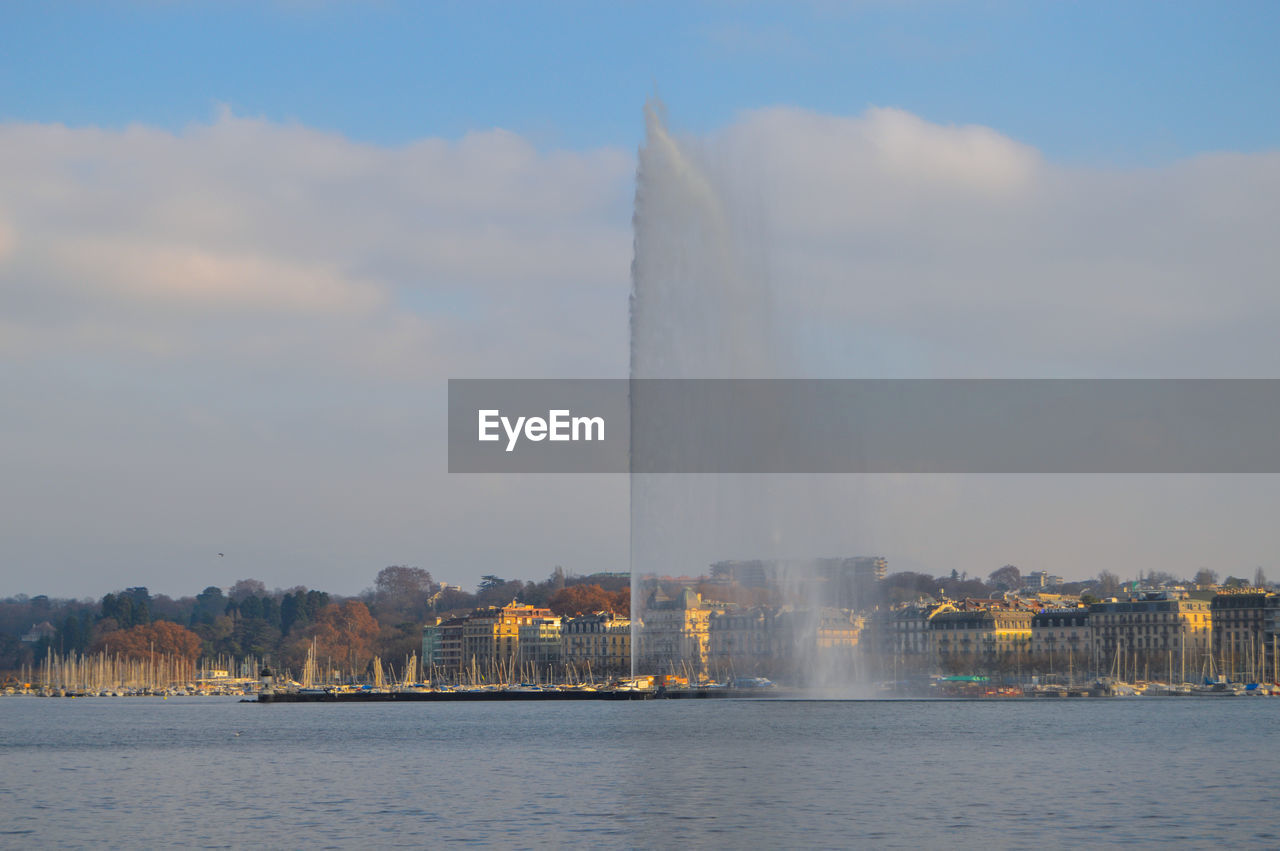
[(243, 246)]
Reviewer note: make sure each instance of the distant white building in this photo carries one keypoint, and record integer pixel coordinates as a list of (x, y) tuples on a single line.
[(39, 631), (1038, 579)]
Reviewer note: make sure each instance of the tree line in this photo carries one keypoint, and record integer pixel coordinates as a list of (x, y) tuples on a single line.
[(281, 625), (385, 620)]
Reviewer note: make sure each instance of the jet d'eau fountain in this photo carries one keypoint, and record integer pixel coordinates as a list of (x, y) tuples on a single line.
[(703, 305)]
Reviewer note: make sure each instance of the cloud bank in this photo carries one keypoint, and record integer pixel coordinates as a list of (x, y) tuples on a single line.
[(235, 338)]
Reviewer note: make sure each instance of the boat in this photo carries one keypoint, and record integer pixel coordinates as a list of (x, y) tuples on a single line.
[(1218, 688)]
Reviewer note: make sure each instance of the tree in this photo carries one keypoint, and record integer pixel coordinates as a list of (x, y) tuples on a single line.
[(250, 607), (607, 581), (74, 633), (1158, 578), (395, 642), (255, 636), (1107, 584), (495, 591), (1259, 578), (271, 611), (290, 612), (165, 608), (1205, 576), (313, 602), (210, 604), (141, 603), (586, 599), (535, 593), (961, 588), (343, 633), (299, 608), (399, 580), (1007, 578), (402, 593), (218, 635), (130, 607), (102, 627), (247, 588), (453, 599), (139, 642), (907, 585)]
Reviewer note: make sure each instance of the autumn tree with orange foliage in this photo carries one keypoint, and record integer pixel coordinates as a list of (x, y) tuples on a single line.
[(577, 600), (342, 633), (159, 637)]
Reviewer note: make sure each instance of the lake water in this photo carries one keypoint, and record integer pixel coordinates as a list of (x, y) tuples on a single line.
[(871, 774)]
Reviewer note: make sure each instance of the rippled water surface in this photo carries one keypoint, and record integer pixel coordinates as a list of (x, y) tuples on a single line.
[(1015, 774)]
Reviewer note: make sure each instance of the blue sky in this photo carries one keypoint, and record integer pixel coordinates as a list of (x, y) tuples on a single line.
[(1099, 83)]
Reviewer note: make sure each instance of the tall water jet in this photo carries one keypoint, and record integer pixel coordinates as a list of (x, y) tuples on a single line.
[(700, 291), (703, 306)]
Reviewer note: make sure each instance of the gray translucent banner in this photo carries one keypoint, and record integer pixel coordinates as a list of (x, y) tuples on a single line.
[(864, 426)]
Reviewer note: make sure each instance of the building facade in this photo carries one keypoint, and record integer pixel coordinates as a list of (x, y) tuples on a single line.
[(597, 644), (1062, 639), (539, 645), (1157, 635), (1244, 627), (675, 634), (981, 635)]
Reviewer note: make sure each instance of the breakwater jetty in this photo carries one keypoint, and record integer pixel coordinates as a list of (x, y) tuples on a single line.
[(499, 694)]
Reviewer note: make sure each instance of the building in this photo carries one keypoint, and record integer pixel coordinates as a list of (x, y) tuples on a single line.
[(873, 568), (833, 629), (1244, 628), (38, 631), (675, 634), (838, 582), (491, 635), (1061, 637), (431, 642), (448, 645), (903, 638), (1038, 579), (599, 643), (799, 645), (847, 583), (1158, 634), (982, 633), (540, 643), (817, 646), (753, 573), (489, 640), (743, 640)]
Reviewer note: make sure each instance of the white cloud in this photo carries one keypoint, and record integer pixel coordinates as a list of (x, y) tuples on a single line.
[(196, 278), (978, 257), (253, 222), (240, 332)]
